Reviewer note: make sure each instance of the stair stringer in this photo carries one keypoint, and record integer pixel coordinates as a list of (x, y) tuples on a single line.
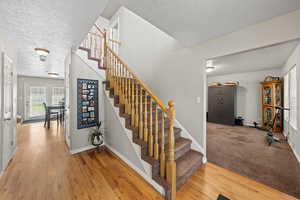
[(195, 145), (147, 173)]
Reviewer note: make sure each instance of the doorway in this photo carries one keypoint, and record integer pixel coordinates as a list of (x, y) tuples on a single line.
[(245, 90)]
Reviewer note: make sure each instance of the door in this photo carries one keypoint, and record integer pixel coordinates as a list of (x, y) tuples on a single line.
[(67, 104), (35, 98), (7, 110)]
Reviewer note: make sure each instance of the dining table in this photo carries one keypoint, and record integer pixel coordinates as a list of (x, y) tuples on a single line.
[(61, 109)]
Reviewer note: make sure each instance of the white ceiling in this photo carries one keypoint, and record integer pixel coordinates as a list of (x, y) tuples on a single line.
[(55, 25), (255, 60), (195, 21)]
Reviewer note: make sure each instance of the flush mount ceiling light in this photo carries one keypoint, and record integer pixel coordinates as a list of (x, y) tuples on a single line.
[(209, 66), (53, 74), (209, 63), (43, 53), (209, 69)]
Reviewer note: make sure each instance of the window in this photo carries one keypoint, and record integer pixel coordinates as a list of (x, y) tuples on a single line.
[(37, 98), (58, 94), (286, 96), (290, 97), (114, 35)]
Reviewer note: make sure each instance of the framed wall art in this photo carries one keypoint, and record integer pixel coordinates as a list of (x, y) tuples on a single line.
[(87, 103)]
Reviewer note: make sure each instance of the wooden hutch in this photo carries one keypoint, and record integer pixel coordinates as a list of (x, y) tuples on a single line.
[(272, 95)]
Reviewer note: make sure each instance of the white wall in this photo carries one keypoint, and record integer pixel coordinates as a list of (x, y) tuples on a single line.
[(248, 92), (116, 137), (80, 70), (24, 84), (294, 137)]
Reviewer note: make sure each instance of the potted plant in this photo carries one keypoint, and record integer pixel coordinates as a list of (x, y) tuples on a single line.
[(96, 136)]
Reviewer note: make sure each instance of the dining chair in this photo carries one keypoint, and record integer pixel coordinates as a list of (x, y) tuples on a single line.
[(49, 114), (62, 112)]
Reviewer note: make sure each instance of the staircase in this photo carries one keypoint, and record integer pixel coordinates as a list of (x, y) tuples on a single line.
[(93, 45), (152, 124)]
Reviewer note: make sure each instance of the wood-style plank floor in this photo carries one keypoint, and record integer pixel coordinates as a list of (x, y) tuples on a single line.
[(44, 170)]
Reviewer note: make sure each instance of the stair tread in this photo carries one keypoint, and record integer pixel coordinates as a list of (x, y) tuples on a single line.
[(181, 142), (186, 162)]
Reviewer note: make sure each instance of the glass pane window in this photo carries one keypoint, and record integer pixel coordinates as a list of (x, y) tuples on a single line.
[(58, 95), (37, 98)]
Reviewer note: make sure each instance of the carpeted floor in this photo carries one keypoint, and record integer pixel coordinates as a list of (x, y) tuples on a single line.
[(244, 150)]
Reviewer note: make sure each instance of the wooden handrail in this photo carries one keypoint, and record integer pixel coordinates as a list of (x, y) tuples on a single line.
[(99, 29), (115, 41), (95, 34), (149, 92)]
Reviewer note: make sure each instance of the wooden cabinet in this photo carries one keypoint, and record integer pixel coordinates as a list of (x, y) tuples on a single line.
[(272, 95), (222, 104)]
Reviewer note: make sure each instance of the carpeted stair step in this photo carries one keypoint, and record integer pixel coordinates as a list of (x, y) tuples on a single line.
[(182, 146), (186, 165)]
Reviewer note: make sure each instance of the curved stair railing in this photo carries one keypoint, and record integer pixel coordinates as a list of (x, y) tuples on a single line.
[(147, 113), (94, 45)]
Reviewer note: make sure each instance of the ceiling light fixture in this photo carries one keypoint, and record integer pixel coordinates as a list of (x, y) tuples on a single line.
[(209, 63), (209, 66), (209, 69), (43, 53), (53, 74)]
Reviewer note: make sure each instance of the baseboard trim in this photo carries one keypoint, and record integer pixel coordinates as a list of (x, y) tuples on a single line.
[(204, 159), (82, 149), (137, 170)]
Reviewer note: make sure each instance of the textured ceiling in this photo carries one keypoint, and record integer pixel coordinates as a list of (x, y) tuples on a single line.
[(195, 21), (52, 24), (255, 60)]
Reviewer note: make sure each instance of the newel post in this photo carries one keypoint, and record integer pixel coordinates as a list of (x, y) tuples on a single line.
[(171, 165)]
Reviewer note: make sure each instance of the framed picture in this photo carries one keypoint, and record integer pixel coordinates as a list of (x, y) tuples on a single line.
[(87, 103), (92, 114), (84, 109)]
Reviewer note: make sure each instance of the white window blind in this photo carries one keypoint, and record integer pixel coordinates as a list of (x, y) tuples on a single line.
[(293, 97), (57, 95)]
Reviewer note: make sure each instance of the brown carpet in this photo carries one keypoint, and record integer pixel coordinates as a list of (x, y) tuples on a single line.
[(244, 150)]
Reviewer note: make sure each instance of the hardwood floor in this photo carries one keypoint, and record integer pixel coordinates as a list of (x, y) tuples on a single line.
[(43, 170)]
